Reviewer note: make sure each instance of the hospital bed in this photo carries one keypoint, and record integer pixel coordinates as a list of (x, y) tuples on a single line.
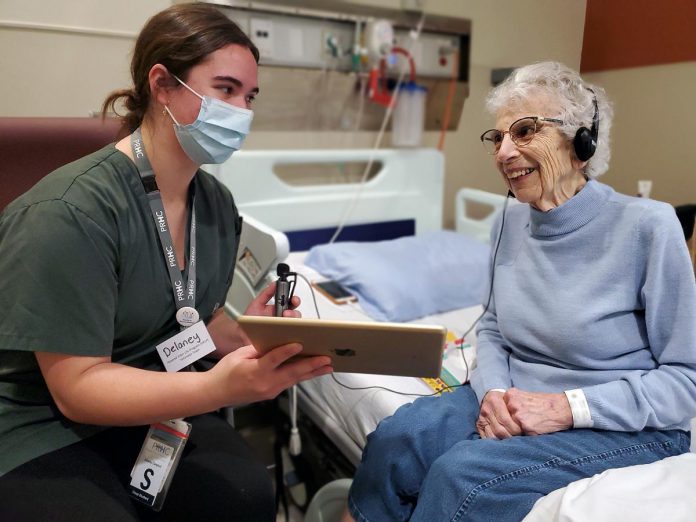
[(404, 198)]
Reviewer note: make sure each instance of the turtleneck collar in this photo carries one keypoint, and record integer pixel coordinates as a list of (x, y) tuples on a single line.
[(579, 210)]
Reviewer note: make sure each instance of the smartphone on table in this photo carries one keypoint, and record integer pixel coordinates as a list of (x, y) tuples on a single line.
[(335, 292)]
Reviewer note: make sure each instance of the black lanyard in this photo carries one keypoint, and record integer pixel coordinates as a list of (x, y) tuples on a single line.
[(184, 294)]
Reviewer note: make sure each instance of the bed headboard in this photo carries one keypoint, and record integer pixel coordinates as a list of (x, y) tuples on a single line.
[(32, 147), (403, 198)]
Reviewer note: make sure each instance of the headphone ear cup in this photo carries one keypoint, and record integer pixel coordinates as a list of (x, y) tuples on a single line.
[(583, 144)]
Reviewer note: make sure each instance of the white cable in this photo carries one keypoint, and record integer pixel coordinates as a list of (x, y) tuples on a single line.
[(349, 210), (295, 446), (311, 290), (361, 102)]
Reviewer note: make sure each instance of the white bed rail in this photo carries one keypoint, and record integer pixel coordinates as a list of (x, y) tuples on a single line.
[(409, 185), (480, 228)]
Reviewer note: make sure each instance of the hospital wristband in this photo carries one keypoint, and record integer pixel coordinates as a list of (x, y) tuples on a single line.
[(579, 408)]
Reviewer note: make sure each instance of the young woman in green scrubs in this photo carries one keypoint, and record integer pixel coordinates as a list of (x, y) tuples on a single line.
[(95, 259)]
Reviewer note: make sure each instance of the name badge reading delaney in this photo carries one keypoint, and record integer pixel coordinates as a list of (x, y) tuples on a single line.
[(186, 347)]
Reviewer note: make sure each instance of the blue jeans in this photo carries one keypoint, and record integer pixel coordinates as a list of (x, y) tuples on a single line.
[(427, 463)]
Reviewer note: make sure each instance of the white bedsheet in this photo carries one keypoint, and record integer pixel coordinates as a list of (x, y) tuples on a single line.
[(662, 490)]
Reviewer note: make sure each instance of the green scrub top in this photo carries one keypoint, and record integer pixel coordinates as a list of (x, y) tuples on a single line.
[(82, 272)]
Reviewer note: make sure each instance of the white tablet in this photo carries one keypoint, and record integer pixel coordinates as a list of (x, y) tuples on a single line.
[(413, 350)]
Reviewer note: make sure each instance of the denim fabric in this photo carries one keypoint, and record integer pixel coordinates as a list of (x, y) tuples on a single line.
[(427, 463)]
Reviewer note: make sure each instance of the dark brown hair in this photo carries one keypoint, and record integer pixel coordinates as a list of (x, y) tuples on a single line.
[(179, 38)]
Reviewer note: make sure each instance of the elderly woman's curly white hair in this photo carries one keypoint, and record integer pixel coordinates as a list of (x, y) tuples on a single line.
[(572, 102)]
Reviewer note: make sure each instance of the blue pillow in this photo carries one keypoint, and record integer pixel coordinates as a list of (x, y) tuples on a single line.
[(410, 277)]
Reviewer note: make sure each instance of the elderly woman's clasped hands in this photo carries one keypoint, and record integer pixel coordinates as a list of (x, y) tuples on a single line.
[(516, 412)]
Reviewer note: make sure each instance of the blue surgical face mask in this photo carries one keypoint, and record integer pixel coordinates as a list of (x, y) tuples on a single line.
[(218, 131)]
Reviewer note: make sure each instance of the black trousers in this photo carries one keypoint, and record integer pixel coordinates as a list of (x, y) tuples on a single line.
[(218, 478)]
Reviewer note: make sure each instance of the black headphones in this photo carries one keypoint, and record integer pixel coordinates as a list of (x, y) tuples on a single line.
[(585, 141)]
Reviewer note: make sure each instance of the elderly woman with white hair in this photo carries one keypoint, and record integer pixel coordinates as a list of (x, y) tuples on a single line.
[(587, 348)]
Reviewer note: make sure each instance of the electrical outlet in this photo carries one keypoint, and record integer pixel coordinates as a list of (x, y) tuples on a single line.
[(261, 33)]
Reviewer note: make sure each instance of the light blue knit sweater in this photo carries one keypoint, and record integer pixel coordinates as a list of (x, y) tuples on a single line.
[(597, 294)]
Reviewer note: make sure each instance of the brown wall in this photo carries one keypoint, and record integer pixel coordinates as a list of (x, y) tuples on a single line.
[(635, 33), (643, 52)]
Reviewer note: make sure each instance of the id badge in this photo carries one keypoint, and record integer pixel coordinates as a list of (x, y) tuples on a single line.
[(186, 347), (157, 461)]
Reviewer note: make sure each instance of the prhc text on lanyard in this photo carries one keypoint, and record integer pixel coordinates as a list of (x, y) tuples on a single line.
[(184, 296)]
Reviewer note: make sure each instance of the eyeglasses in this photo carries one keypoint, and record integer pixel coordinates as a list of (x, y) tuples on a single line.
[(521, 132)]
